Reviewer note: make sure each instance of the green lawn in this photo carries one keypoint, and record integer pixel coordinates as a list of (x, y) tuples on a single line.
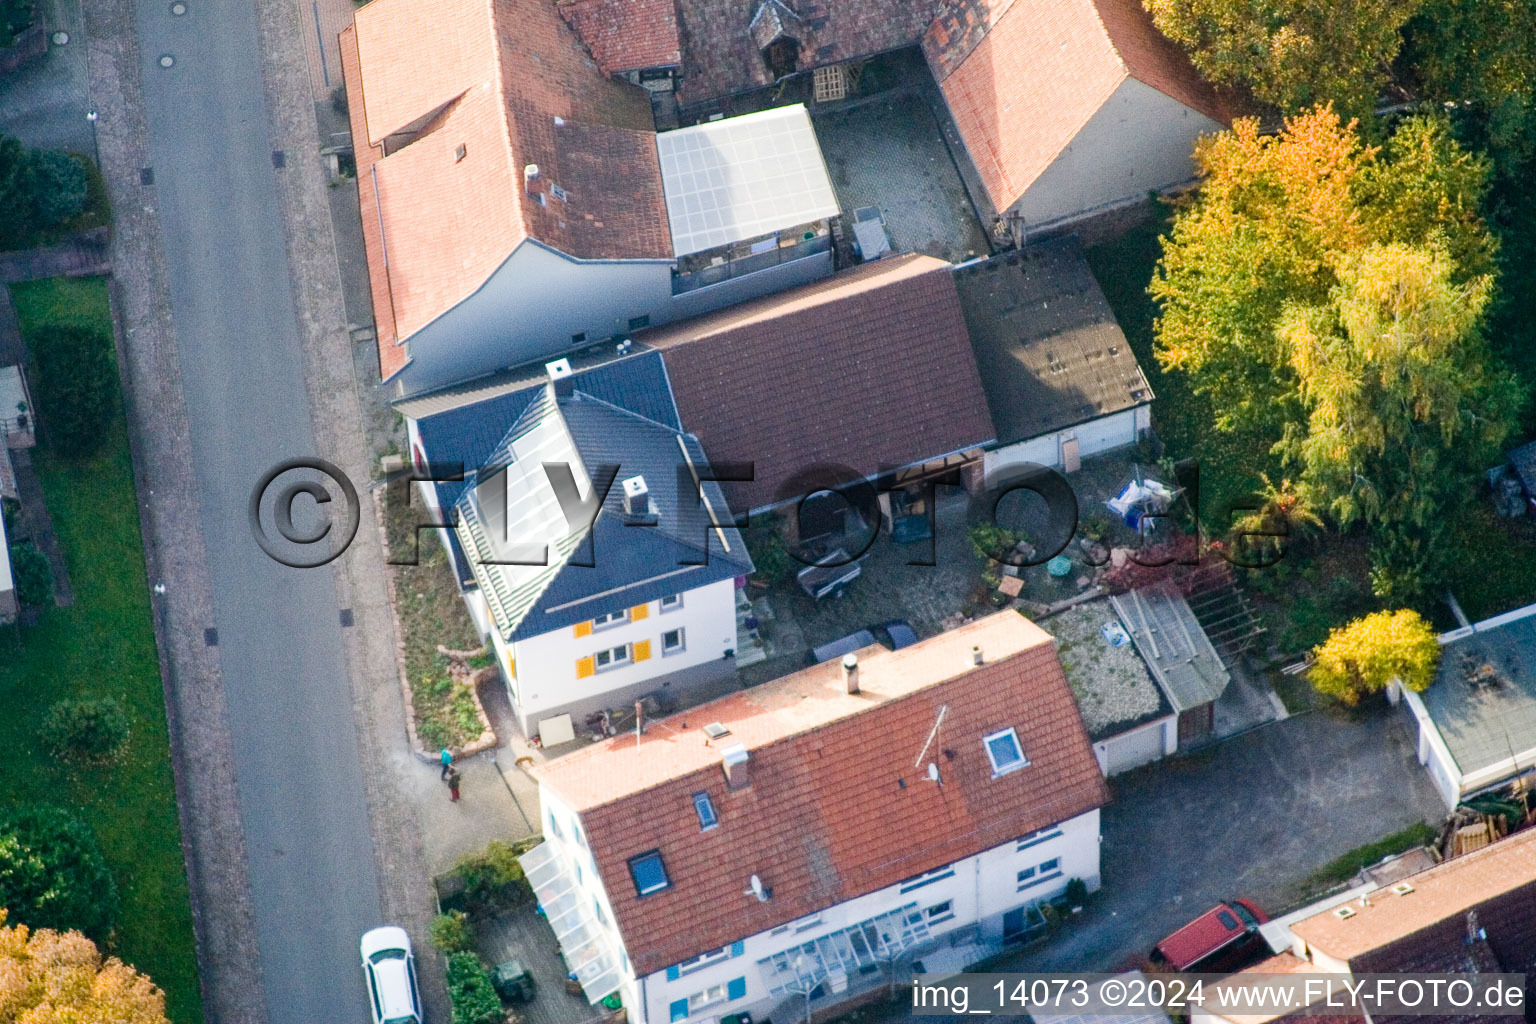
[(103, 644)]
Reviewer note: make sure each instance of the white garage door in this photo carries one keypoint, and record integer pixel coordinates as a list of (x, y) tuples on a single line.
[(1132, 749)]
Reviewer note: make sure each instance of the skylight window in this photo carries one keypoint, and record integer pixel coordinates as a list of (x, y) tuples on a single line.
[(1004, 752), (649, 873), (708, 819)]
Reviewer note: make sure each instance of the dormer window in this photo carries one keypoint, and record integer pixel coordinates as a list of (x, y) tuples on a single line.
[(610, 619), (1004, 752), (648, 873)]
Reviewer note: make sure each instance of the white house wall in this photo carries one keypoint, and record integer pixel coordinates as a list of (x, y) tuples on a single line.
[(544, 673), (1095, 436), (1140, 141), (981, 890), (530, 308)]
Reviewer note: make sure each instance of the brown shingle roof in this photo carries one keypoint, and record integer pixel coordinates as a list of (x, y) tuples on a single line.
[(625, 35), (870, 369), (1022, 77), (826, 817), (508, 82), (1444, 892)]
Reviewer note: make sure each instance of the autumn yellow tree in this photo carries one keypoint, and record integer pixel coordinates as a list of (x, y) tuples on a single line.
[(49, 977), (1363, 657)]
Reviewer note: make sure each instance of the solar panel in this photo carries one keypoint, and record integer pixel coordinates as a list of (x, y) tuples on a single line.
[(742, 177)]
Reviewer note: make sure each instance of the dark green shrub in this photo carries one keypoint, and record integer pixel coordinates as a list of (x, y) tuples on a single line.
[(1077, 892), (89, 729), (492, 877), (450, 933), (15, 18), (58, 186), (52, 874), (10, 513), (32, 575), (772, 562), (76, 386), (15, 195), (471, 992)]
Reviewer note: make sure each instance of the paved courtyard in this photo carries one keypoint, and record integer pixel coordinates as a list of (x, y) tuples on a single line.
[(887, 151), (45, 102), (1254, 816)]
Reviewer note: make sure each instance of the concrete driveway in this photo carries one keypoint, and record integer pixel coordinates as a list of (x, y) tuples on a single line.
[(1253, 816)]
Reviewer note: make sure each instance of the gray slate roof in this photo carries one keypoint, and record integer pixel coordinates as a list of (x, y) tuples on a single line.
[(1173, 645), (1486, 722), (1049, 349)]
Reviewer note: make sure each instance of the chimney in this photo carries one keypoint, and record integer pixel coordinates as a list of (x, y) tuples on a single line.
[(851, 672), (637, 497), (560, 373), (976, 658), (738, 768)]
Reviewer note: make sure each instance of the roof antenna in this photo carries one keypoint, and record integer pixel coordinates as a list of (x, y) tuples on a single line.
[(943, 710)]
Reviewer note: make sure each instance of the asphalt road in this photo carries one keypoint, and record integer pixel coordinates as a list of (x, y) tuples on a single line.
[(314, 886)]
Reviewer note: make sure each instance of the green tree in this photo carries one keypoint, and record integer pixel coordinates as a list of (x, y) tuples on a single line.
[(87, 729), (450, 932), (1402, 396), (33, 577), (16, 226), (471, 991), (52, 874), (58, 186), (1362, 657), (1291, 53), (77, 386)]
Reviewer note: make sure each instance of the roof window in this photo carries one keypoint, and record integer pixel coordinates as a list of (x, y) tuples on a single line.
[(705, 809), (1004, 752), (649, 873)]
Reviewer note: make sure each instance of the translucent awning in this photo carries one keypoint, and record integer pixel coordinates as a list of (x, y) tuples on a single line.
[(585, 944)]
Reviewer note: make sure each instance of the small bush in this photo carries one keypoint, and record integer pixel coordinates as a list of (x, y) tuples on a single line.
[(32, 575), (493, 877), (992, 543), (76, 386), (88, 729), (772, 562), (1077, 892), (10, 513), (470, 990), (451, 934), (58, 186), (52, 873)]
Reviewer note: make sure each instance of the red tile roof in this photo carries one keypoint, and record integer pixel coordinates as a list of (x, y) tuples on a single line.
[(625, 35), (1446, 891), (870, 369), (826, 817), (506, 83), (1022, 77)]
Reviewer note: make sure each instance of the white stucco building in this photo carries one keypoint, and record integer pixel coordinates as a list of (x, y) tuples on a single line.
[(798, 842)]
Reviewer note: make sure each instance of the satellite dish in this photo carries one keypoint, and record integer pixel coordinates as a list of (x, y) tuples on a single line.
[(933, 772), (759, 890)]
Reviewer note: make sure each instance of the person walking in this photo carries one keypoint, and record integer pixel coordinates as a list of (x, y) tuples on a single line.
[(447, 761), (453, 783)]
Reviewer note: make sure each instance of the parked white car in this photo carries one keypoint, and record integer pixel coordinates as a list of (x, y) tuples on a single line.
[(391, 972)]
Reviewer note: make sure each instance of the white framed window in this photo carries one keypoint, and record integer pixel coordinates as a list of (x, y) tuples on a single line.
[(939, 912), (671, 602), (709, 997), (936, 875), (554, 825), (1044, 835), (1004, 752), (613, 657), (704, 960), (672, 641), (610, 619), (1039, 874), (648, 873)]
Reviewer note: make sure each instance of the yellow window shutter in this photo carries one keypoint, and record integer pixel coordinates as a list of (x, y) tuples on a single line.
[(639, 612), (642, 649), (512, 667), (584, 628), (585, 667)]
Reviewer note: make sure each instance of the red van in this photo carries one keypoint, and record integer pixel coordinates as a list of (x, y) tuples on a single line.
[(1223, 938)]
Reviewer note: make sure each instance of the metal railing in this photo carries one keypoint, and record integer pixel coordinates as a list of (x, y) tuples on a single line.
[(730, 269)]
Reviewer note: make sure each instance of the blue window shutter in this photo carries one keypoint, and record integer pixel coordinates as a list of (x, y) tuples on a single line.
[(737, 948), (736, 988), (680, 1009), (672, 973)]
